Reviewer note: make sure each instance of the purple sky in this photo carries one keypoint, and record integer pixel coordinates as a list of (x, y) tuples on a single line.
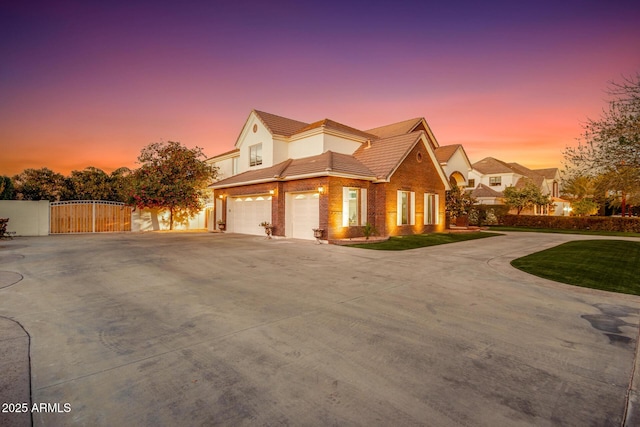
[(91, 83)]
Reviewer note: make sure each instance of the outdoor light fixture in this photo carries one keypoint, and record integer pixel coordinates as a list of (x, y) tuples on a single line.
[(221, 196), (320, 190), (272, 191)]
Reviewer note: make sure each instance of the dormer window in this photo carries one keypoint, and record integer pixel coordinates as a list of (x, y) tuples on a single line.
[(255, 155)]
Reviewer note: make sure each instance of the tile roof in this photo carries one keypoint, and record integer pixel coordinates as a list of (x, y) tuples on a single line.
[(384, 155), (395, 129), (549, 173), (327, 163), (483, 191), (226, 153), (444, 153), (331, 124), (489, 165), (279, 125)]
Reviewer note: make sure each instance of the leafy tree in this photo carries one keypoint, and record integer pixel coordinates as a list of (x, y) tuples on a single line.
[(172, 177), (584, 207), (582, 192), (458, 202), (527, 196), (90, 184), (121, 184), (610, 146), (7, 192), (39, 184)]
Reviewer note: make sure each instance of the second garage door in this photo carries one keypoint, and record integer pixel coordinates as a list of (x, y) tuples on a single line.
[(303, 213), (244, 214)]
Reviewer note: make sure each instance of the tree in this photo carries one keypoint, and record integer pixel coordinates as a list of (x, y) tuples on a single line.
[(172, 177), (7, 192), (121, 184), (528, 196), (610, 145), (582, 192), (39, 184), (90, 184), (458, 202)]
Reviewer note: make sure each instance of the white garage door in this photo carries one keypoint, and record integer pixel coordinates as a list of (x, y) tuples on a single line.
[(304, 214), (244, 214)]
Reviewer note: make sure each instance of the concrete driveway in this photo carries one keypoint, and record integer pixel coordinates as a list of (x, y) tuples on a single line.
[(166, 329)]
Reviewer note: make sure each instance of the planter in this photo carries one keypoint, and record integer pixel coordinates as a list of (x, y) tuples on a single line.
[(318, 232), (222, 227), (462, 221)]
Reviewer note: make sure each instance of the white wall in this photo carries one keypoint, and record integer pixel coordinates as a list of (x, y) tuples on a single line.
[(457, 163), (225, 168), (305, 147), (26, 218), (340, 145), (156, 219), (249, 138)]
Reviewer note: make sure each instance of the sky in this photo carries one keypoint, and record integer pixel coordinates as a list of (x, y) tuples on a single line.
[(90, 83)]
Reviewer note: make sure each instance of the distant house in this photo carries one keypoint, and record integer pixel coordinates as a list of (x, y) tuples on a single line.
[(489, 177), (334, 178)]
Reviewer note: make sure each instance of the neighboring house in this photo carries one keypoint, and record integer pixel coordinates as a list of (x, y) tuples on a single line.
[(324, 175), (489, 177), (455, 163)]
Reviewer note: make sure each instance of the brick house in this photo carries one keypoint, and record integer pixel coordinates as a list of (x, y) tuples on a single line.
[(324, 175)]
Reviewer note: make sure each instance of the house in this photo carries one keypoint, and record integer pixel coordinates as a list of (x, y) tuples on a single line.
[(325, 175), (489, 177)]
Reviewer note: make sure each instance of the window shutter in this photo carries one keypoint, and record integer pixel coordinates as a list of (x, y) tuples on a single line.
[(363, 206), (427, 209), (399, 208), (436, 209), (412, 208), (345, 206)]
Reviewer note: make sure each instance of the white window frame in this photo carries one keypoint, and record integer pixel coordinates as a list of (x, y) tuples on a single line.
[(431, 206), (360, 215), (255, 155), (411, 201), (495, 181)]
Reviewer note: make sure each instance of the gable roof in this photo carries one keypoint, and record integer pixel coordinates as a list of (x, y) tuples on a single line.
[(331, 124), (483, 191), (325, 164), (395, 129), (279, 125), (383, 156), (444, 153), (548, 173), (490, 165)]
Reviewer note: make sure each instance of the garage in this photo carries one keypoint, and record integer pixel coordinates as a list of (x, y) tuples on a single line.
[(303, 213), (244, 214)]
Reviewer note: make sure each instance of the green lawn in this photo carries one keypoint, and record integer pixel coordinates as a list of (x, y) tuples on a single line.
[(401, 243), (610, 265), (562, 231)]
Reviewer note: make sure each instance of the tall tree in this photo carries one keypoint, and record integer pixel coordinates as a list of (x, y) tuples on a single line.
[(39, 184), (90, 183), (528, 196), (172, 177), (610, 145), (7, 192)]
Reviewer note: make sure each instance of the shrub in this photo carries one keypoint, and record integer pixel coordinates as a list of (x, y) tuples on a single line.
[(600, 223)]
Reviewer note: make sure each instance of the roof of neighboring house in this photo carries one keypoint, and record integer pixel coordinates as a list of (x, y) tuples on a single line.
[(444, 152), (395, 129), (327, 163), (489, 165), (279, 125), (538, 180), (483, 191), (548, 173), (331, 124), (383, 155), (226, 153)]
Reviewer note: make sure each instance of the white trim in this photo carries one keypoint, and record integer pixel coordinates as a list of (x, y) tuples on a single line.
[(345, 206), (412, 208), (363, 206)]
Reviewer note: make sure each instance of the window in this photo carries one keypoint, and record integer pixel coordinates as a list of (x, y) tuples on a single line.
[(406, 208), (431, 202), (255, 155), (495, 180), (471, 183), (354, 206)]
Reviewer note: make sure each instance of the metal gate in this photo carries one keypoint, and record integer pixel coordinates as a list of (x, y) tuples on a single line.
[(89, 216)]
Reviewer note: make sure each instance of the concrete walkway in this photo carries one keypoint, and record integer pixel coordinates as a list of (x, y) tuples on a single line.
[(201, 329)]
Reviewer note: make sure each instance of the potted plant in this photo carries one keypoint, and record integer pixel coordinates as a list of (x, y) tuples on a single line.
[(268, 228), (221, 225)]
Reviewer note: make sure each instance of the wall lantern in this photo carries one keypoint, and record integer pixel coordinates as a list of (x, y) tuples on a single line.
[(220, 196), (272, 192), (320, 190)]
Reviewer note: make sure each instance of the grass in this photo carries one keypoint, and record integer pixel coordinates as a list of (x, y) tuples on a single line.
[(402, 243), (562, 231), (609, 265)]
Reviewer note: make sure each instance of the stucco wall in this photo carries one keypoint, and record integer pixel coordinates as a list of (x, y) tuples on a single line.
[(26, 218)]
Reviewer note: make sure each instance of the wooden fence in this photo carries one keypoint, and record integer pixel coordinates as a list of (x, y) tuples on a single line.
[(89, 216)]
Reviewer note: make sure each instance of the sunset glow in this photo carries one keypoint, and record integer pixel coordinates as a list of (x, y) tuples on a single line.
[(91, 83)]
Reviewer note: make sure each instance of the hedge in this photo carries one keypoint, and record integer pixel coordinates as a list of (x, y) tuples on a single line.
[(600, 223)]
